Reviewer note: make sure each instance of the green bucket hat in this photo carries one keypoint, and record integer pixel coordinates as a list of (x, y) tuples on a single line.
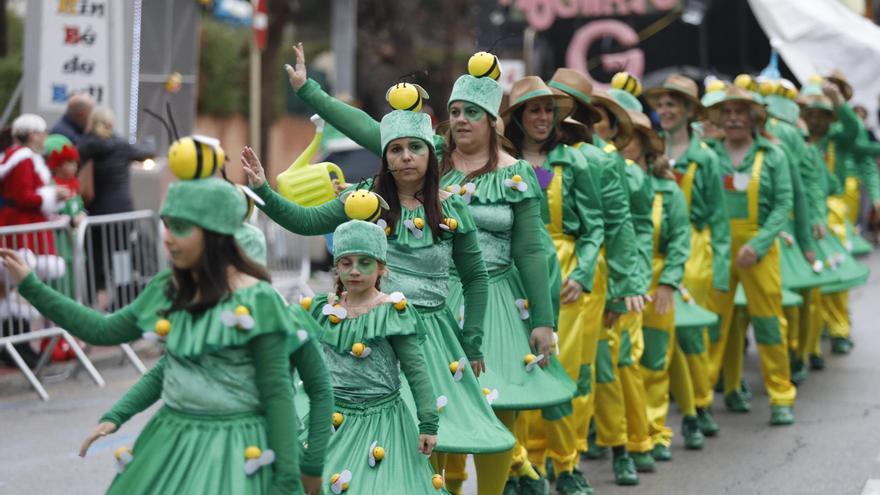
[(626, 99), (252, 241), (782, 108), (212, 204), (406, 124), (359, 237), (484, 92)]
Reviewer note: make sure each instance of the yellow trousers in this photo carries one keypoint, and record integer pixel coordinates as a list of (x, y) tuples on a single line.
[(835, 307), (610, 411), (632, 347), (594, 308), (694, 341), (659, 335), (492, 469)]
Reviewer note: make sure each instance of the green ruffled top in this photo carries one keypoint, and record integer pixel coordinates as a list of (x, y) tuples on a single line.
[(641, 198)]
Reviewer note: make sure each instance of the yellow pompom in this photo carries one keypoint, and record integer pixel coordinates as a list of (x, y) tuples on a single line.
[(529, 358), (242, 311), (815, 79), (627, 82), (451, 223), (405, 96), (418, 222), (363, 205), (387, 230), (337, 419), (252, 452), (484, 64), (400, 305), (516, 178), (745, 81), (449, 189), (306, 303), (378, 453), (357, 349), (334, 319), (486, 391), (120, 451), (767, 87), (437, 481), (334, 478), (162, 328), (715, 85), (686, 296), (453, 367), (192, 159)]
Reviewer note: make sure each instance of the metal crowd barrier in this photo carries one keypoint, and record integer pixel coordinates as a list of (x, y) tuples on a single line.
[(287, 258), (48, 248)]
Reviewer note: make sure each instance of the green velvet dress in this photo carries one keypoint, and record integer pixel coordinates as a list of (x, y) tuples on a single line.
[(370, 410), (509, 316), (225, 386)]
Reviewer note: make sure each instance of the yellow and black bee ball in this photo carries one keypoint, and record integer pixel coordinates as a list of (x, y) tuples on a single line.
[(745, 82), (484, 64), (767, 87), (363, 205), (627, 82), (191, 159), (404, 96)]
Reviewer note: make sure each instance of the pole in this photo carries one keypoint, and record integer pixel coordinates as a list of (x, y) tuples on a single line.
[(254, 117), (344, 32)]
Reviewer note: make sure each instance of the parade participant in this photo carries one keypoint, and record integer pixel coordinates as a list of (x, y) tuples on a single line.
[(573, 215), (226, 385), (758, 196), (671, 244), (695, 168), (367, 336), (420, 260)]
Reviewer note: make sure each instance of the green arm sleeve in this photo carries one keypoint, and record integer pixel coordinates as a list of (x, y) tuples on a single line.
[(412, 362), (780, 205), (719, 225), (469, 264), (351, 121), (620, 238), (643, 225), (298, 219), (142, 395), (848, 130), (87, 324), (678, 245), (528, 255), (812, 180), (802, 225), (316, 382), (276, 395), (867, 169), (588, 203)]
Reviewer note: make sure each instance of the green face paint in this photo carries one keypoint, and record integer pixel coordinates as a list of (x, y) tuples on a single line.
[(364, 265), (473, 113), (179, 228), (414, 146)]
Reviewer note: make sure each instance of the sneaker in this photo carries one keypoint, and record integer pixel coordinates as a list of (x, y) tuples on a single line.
[(661, 453), (798, 371), (690, 430), (745, 389), (643, 461), (528, 486), (736, 402), (625, 471), (841, 345), (572, 484), (594, 451), (817, 363), (781, 415), (579, 475), (512, 487), (707, 423)]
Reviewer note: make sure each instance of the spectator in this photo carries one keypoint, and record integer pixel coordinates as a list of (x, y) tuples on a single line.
[(72, 124)]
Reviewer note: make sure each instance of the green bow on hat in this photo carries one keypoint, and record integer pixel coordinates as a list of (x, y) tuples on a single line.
[(359, 237), (484, 92), (213, 204), (406, 124)]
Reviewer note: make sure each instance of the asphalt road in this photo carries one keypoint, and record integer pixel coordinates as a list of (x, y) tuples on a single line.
[(834, 448)]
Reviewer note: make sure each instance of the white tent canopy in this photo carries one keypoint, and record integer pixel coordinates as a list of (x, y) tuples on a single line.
[(818, 36)]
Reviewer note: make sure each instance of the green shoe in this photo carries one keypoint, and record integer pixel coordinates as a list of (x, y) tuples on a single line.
[(841, 345), (799, 371), (594, 451), (550, 470), (781, 415), (707, 423), (583, 481), (690, 430), (735, 402), (745, 389), (661, 453), (625, 471), (719, 384), (817, 363), (512, 487), (573, 483), (528, 486), (644, 462)]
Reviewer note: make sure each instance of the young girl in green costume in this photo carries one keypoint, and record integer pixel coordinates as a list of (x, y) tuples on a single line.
[(366, 334), (507, 220), (228, 415)]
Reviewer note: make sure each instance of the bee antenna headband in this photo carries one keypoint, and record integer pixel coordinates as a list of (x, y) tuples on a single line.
[(163, 121), (171, 119)]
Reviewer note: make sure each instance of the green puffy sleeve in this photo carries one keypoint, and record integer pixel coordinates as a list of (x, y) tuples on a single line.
[(719, 225), (298, 219), (589, 240), (351, 121), (272, 376), (142, 395), (620, 238), (85, 323), (469, 264), (776, 167), (641, 194), (847, 131), (802, 225), (528, 255), (412, 361), (312, 369), (678, 242)]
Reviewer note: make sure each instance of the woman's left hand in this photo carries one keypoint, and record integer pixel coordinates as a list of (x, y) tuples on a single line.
[(478, 367), (664, 299), (311, 484), (542, 341), (427, 443), (15, 264), (571, 291)]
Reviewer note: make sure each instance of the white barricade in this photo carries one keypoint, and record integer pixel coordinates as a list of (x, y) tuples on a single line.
[(287, 258)]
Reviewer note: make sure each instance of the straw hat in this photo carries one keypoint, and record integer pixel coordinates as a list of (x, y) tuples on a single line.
[(735, 93), (642, 125), (624, 122), (578, 86), (680, 85), (840, 80), (531, 87)]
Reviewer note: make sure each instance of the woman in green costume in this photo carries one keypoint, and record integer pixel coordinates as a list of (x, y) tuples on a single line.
[(366, 335), (228, 337), (504, 199)]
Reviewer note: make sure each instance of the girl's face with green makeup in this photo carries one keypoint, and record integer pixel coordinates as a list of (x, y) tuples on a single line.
[(469, 125), (358, 273), (407, 160), (184, 241), (537, 118)]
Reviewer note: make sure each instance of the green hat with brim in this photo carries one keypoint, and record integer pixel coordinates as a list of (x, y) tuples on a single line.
[(359, 237), (782, 108), (483, 92), (405, 124), (712, 98), (817, 102), (626, 100), (625, 129), (252, 241), (213, 204), (733, 94)]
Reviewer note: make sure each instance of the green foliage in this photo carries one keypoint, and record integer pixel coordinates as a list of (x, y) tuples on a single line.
[(11, 65), (223, 69)]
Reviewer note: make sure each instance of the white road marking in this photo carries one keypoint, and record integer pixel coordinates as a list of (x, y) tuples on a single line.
[(872, 487)]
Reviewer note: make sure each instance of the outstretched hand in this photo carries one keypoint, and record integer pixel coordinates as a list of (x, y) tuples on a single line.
[(15, 264), (252, 168), (102, 430), (297, 74)]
